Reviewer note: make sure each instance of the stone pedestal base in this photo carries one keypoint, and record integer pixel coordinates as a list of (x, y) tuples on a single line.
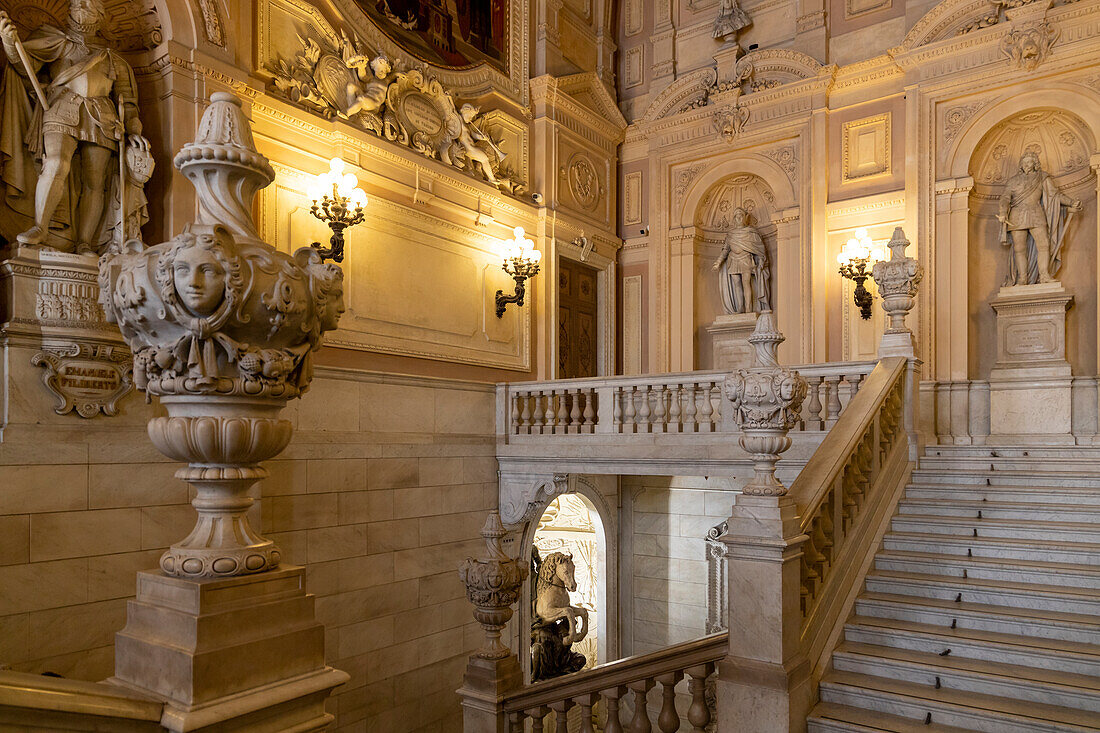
[(730, 338), (242, 653), (483, 688), (1029, 386)]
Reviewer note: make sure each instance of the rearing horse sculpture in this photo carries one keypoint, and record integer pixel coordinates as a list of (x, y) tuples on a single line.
[(555, 580)]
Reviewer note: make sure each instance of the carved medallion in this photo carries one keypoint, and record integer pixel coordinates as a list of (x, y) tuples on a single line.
[(86, 379), (584, 183)]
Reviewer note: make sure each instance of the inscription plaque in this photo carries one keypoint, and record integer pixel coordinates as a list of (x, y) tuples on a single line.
[(421, 111), (86, 379)]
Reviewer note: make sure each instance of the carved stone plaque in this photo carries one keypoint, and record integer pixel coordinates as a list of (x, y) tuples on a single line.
[(86, 379), (421, 111)]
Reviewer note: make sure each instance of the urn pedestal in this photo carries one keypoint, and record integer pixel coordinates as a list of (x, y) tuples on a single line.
[(1030, 384), (730, 347)]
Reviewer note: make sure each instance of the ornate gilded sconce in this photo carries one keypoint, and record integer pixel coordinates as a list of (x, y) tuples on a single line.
[(856, 259), (521, 261), (340, 209)]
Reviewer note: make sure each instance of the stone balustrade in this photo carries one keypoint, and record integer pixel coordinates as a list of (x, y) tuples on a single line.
[(688, 403)]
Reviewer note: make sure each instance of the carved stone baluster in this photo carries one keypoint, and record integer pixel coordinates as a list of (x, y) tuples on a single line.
[(515, 414), (515, 722), (629, 411), (561, 425), (706, 413), (691, 424), (525, 416), (586, 702), (617, 397), (699, 713), (813, 408), (675, 408), (660, 423), (611, 706), (669, 720), (537, 715), (540, 414), (832, 400), (643, 410), (855, 380), (590, 410), (575, 413), (640, 723), (844, 393), (561, 715)]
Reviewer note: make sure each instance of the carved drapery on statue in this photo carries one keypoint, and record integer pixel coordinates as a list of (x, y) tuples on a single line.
[(744, 274), (69, 108), (1034, 215), (555, 624), (407, 106), (222, 327)]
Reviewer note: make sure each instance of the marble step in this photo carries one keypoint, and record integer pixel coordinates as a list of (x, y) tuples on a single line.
[(1044, 452), (1075, 495), (1074, 553), (831, 718), (1089, 479), (1015, 528), (1048, 654), (1001, 569), (1049, 687), (993, 593), (966, 710), (1034, 464), (1060, 512), (1024, 622)]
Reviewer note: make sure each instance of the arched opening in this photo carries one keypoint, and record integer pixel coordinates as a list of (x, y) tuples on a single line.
[(1063, 143), (571, 526), (714, 218)]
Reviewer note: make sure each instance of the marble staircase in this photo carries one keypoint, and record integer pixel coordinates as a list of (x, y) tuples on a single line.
[(981, 611)]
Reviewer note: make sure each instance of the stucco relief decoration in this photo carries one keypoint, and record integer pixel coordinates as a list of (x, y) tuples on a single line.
[(73, 161), (212, 23), (407, 106), (729, 121), (584, 182), (86, 379), (766, 402), (1028, 46), (222, 327), (956, 117), (786, 158)]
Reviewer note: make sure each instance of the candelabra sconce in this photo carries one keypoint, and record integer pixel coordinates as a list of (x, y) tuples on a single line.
[(856, 259), (521, 261), (338, 201)]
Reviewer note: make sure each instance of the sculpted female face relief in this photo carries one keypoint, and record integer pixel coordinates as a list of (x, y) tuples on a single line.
[(199, 280)]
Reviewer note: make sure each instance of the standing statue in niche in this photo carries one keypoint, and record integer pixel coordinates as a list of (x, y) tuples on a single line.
[(730, 21), (81, 116), (745, 275), (555, 624), (1034, 214)]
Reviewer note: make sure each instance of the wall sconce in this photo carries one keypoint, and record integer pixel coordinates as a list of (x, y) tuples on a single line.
[(521, 261), (856, 259), (338, 201)]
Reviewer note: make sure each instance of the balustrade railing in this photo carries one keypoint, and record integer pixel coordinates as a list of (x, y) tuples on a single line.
[(841, 487), (663, 403), (606, 686)]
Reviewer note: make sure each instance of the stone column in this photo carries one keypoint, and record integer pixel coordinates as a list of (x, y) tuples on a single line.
[(493, 584), (222, 327), (764, 682)]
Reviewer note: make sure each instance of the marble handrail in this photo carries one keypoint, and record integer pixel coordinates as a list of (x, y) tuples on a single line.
[(609, 683), (52, 703), (689, 402), (842, 492)]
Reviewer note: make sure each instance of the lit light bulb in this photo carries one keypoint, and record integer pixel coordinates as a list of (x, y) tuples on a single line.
[(861, 233), (518, 233), (536, 256), (315, 191), (336, 166), (359, 197)]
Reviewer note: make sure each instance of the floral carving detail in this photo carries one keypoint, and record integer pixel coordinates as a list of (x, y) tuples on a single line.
[(897, 280), (785, 157), (956, 117)]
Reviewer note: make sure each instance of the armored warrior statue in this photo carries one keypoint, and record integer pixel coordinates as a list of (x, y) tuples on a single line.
[(745, 276), (84, 113), (1034, 213)]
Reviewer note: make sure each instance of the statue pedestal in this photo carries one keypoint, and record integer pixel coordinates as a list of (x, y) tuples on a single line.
[(228, 651), (1029, 386), (730, 341)]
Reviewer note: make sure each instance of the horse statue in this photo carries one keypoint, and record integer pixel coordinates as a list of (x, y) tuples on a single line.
[(554, 626)]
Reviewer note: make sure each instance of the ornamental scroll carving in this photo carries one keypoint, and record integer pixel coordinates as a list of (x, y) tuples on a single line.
[(87, 379), (407, 106)]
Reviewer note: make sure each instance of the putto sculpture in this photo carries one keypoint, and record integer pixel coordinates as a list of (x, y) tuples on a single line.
[(83, 128), (407, 106), (1034, 215), (744, 274), (555, 624), (222, 327)]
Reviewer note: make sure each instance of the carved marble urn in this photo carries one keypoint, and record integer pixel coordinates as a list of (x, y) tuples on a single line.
[(766, 402), (222, 327), (493, 585)]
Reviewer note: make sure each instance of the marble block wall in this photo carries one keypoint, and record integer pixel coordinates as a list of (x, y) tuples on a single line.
[(669, 519), (381, 493)]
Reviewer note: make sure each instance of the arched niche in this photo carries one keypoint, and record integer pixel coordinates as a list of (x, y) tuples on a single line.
[(712, 219), (1064, 144), (604, 521)]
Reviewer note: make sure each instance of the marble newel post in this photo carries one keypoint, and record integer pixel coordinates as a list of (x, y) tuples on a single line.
[(764, 682), (493, 585), (222, 327)]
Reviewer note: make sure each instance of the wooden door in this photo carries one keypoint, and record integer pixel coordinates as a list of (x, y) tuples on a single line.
[(576, 320)]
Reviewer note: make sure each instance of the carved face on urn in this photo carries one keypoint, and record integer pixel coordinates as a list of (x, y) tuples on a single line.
[(198, 276), (326, 284), (199, 280)]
